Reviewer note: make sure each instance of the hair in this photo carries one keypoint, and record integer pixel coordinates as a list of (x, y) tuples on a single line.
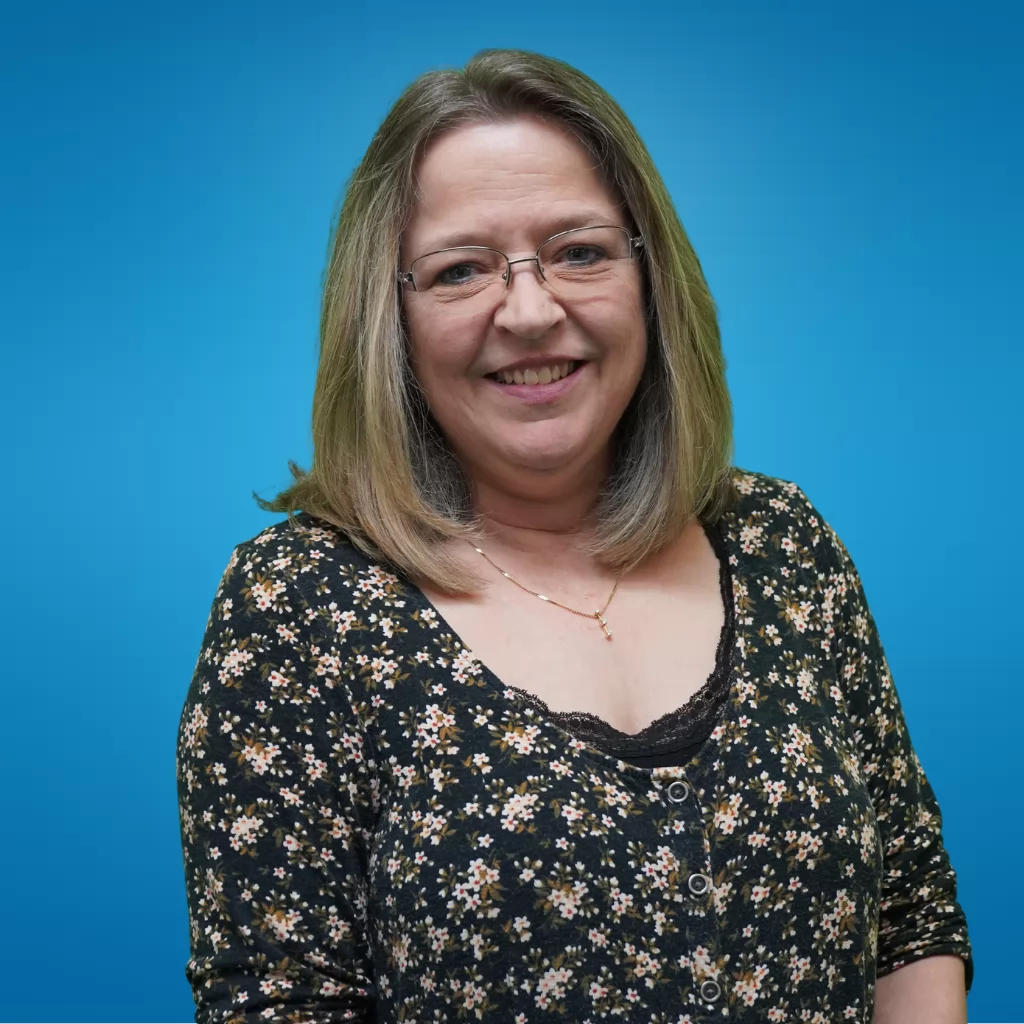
[(382, 470)]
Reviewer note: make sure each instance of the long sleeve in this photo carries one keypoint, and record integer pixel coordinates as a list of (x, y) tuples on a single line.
[(920, 915), (275, 805)]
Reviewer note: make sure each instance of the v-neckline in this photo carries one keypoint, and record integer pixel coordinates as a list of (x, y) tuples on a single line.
[(719, 683)]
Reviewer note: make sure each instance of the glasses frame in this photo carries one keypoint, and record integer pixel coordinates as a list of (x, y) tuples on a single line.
[(636, 243)]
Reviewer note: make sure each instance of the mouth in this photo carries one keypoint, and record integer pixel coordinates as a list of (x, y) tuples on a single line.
[(532, 375)]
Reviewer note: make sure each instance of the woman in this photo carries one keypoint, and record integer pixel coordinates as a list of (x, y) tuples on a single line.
[(539, 709)]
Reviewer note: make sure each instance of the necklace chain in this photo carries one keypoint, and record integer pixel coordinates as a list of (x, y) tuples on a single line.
[(597, 614)]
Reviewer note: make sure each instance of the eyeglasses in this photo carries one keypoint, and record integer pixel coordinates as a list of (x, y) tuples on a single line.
[(574, 263)]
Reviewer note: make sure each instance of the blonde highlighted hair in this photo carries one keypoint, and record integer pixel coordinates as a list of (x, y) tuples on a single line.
[(382, 471)]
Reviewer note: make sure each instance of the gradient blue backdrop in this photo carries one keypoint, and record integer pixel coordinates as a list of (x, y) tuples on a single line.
[(851, 178)]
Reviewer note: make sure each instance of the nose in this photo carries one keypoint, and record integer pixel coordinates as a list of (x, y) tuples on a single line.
[(527, 308)]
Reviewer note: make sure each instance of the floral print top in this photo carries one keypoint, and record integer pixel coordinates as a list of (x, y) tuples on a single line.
[(375, 828)]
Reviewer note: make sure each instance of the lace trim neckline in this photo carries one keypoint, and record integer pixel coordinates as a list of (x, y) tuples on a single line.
[(688, 724)]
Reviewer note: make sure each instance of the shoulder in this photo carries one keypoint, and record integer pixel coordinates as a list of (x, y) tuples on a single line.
[(772, 501), (288, 598), (771, 517), (303, 572), (297, 553), (301, 534)]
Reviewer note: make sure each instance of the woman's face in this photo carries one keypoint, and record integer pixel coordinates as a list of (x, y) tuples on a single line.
[(511, 186)]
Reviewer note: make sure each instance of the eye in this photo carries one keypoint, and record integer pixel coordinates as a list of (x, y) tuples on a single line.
[(579, 255), (458, 273), (458, 270)]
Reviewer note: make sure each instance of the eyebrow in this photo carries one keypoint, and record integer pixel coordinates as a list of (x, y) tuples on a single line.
[(577, 219)]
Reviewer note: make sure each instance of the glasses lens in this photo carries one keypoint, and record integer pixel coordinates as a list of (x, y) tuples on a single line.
[(459, 275), (582, 261)]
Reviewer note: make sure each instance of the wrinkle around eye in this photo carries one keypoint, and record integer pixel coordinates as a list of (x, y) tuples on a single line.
[(455, 292)]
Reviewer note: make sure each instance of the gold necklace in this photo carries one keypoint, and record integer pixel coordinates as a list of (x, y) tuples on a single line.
[(599, 615)]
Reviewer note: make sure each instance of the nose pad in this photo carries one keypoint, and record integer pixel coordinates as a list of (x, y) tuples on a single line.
[(507, 276), (530, 312), (534, 292)]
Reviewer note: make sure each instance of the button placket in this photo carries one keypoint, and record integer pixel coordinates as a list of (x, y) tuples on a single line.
[(678, 791), (687, 831)]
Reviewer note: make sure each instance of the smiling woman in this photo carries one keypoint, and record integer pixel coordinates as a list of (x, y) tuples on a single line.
[(576, 299), (535, 704), (497, 160)]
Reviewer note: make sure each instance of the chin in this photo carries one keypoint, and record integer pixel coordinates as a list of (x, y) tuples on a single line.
[(551, 455)]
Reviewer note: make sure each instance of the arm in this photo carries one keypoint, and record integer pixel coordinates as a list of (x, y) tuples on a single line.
[(920, 918), (925, 992), (274, 803)]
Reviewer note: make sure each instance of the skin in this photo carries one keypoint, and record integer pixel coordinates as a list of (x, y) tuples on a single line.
[(930, 991), (536, 470), (511, 186)]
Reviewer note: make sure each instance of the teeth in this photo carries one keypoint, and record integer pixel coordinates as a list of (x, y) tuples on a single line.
[(543, 375)]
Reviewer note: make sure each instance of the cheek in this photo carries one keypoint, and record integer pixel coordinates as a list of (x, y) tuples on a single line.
[(635, 330), (427, 354), (442, 359), (620, 330)]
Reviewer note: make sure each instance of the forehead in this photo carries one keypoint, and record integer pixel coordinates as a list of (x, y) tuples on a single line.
[(512, 184)]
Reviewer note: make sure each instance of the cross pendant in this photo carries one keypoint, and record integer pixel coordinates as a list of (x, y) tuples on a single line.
[(604, 625)]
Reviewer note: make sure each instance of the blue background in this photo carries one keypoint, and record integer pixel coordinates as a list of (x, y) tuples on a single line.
[(850, 175)]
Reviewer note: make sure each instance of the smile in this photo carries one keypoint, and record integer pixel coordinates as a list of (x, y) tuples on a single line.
[(536, 374)]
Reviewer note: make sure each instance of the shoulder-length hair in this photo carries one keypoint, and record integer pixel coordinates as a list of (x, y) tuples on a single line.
[(382, 471)]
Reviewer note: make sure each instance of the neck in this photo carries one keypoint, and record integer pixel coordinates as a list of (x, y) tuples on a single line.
[(540, 514)]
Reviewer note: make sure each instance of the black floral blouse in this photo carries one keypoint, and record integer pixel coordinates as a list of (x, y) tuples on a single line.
[(376, 828)]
